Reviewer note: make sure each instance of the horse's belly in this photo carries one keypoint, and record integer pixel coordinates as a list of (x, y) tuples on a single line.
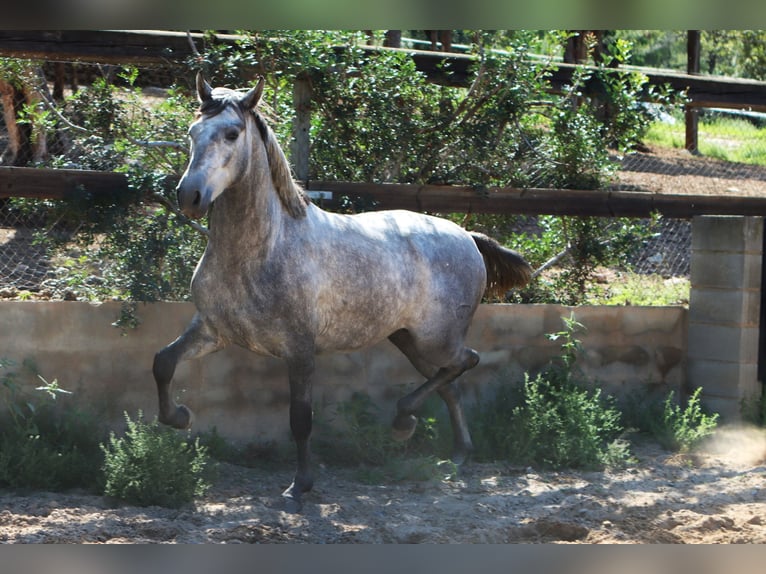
[(352, 337)]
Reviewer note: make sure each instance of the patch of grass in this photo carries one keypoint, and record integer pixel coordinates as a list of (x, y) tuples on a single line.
[(635, 289), (725, 138)]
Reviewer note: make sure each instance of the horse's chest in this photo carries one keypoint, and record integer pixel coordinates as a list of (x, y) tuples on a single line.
[(243, 311)]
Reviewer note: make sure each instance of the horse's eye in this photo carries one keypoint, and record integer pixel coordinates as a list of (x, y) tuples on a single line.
[(231, 135)]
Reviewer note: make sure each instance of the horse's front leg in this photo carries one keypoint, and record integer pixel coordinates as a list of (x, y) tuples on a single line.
[(300, 372), (198, 340)]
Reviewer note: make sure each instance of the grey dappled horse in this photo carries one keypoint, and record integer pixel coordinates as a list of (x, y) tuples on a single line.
[(286, 279)]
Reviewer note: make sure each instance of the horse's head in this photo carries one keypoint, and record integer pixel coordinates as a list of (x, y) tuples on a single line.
[(220, 150)]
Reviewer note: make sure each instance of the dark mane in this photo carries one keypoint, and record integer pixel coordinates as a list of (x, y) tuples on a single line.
[(260, 123), (215, 105)]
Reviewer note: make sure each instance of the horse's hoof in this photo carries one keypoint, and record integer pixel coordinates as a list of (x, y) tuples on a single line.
[(182, 418), (403, 427), (292, 499), (292, 505)]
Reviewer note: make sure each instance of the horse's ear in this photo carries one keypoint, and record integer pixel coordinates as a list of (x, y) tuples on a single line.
[(251, 98), (204, 91)]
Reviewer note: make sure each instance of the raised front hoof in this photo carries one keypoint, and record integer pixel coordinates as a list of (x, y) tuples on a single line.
[(403, 427), (182, 418)]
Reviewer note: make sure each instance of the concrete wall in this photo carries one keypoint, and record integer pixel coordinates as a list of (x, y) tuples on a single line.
[(245, 396), (724, 310)]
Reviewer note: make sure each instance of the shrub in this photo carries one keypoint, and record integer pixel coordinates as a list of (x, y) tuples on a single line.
[(154, 465), (549, 424), (552, 420)]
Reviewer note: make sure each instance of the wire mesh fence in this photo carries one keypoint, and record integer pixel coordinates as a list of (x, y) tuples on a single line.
[(31, 266), (24, 262), (28, 253), (667, 252)]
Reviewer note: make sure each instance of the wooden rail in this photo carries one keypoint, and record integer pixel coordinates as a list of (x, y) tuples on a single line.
[(165, 47), (573, 202), (64, 183)]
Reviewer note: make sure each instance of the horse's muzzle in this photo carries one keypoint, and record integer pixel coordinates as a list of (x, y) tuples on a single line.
[(192, 200)]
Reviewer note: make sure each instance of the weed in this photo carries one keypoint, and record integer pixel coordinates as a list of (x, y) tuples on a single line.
[(549, 424), (154, 465), (674, 427), (683, 428)]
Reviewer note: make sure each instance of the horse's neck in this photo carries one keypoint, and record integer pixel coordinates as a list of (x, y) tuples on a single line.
[(245, 222)]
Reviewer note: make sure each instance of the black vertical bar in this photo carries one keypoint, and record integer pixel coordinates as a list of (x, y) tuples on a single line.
[(762, 318), (692, 67)]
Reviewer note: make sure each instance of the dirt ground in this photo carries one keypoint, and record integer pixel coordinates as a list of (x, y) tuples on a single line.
[(676, 171), (715, 496)]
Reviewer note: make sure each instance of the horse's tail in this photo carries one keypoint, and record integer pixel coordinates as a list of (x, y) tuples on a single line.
[(506, 269)]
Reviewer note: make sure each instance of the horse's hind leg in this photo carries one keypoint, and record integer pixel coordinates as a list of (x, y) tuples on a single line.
[(462, 446), (198, 340), (440, 380)]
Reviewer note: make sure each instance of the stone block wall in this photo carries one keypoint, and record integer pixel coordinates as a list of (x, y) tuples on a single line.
[(724, 310), (246, 396)]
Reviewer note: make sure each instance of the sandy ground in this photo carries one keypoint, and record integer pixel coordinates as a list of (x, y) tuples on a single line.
[(716, 496)]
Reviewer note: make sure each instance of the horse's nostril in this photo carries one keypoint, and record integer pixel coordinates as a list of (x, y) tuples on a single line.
[(197, 199)]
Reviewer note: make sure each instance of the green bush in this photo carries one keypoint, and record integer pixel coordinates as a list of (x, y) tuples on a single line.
[(549, 424), (673, 426), (45, 445), (553, 420), (154, 465)]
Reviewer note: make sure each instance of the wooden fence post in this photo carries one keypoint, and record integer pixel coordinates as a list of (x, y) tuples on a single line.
[(301, 144)]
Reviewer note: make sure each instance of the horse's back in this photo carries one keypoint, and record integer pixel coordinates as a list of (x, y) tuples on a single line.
[(442, 251), (390, 270)]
